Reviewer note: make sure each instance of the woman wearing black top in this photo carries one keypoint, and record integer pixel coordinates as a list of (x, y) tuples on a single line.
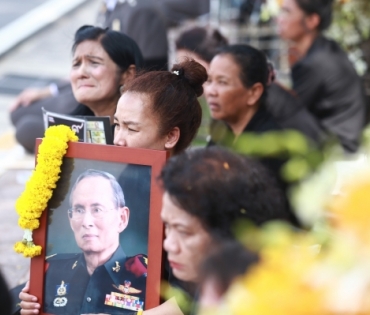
[(323, 77)]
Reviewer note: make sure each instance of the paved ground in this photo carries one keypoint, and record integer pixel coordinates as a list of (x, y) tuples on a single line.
[(12, 9), (45, 54)]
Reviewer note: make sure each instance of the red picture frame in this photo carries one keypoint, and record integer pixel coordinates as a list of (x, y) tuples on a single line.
[(155, 159)]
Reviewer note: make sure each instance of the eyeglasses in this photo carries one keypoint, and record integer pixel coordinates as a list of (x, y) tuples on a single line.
[(77, 213)]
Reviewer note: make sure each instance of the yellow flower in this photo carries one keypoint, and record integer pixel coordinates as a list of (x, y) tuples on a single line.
[(32, 251), (19, 247), (351, 211), (39, 188)]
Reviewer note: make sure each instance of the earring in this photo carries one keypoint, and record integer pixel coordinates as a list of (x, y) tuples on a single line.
[(121, 88)]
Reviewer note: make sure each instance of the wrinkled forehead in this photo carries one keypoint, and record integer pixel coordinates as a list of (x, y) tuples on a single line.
[(95, 188)]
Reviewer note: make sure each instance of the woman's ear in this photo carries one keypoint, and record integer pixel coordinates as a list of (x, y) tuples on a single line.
[(311, 22), (128, 75), (172, 138), (255, 93)]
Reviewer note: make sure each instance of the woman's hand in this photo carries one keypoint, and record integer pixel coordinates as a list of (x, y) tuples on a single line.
[(29, 305)]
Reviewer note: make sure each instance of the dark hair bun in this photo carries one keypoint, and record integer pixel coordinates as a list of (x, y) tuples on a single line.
[(193, 72)]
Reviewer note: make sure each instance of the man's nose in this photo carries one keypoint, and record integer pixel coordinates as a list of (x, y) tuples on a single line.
[(87, 219)]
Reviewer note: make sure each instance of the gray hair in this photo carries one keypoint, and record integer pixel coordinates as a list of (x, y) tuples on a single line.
[(118, 196)]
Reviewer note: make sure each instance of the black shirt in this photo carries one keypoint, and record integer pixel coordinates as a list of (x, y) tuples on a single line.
[(329, 87), (69, 289)]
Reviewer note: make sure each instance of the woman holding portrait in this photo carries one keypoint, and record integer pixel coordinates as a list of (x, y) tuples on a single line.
[(166, 116)]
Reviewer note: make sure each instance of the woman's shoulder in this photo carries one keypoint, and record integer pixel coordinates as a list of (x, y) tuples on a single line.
[(262, 121), (327, 55)]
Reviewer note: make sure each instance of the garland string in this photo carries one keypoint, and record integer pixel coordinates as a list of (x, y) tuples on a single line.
[(39, 188)]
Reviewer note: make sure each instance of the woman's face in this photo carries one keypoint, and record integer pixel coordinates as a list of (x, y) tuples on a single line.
[(226, 95), (94, 76), (135, 124), (291, 21), (186, 241)]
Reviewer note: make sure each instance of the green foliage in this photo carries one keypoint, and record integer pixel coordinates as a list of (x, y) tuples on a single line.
[(289, 145), (351, 28)]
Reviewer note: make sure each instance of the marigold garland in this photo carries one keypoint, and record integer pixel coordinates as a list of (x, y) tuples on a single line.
[(39, 187)]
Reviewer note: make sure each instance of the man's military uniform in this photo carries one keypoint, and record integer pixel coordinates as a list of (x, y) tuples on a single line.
[(117, 287)]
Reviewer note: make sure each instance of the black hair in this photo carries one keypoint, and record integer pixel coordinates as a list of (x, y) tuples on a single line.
[(203, 41), (323, 8), (121, 49), (174, 98), (252, 63), (220, 187), (217, 264)]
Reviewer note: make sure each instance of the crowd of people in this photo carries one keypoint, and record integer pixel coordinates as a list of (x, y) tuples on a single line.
[(120, 73)]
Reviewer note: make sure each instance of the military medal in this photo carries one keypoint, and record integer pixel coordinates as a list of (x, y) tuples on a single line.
[(117, 268), (61, 290), (74, 265), (125, 301)]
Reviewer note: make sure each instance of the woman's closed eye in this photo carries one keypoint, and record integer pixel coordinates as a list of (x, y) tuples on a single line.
[(222, 82), (184, 232), (76, 64)]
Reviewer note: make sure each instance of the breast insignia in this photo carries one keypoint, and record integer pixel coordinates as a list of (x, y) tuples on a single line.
[(74, 265), (61, 290), (117, 267), (126, 288)]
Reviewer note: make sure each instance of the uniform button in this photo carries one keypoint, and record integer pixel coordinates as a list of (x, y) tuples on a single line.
[(88, 299)]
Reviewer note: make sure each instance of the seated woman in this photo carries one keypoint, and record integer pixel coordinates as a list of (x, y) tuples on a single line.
[(166, 116), (236, 92), (103, 61), (203, 44), (206, 192), (322, 75)]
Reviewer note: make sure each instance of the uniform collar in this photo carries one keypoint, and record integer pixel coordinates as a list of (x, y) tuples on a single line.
[(110, 266), (116, 265)]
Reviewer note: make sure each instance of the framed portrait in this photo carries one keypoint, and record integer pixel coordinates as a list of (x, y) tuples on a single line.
[(101, 233)]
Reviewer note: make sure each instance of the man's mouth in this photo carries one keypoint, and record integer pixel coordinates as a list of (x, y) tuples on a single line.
[(89, 236)]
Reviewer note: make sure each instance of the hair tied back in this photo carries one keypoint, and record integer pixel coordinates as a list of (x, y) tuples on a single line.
[(179, 72)]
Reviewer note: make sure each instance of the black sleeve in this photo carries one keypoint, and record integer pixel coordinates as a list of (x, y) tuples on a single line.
[(332, 91), (290, 114)]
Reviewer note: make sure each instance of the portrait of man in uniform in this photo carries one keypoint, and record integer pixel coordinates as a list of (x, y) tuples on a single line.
[(100, 278)]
